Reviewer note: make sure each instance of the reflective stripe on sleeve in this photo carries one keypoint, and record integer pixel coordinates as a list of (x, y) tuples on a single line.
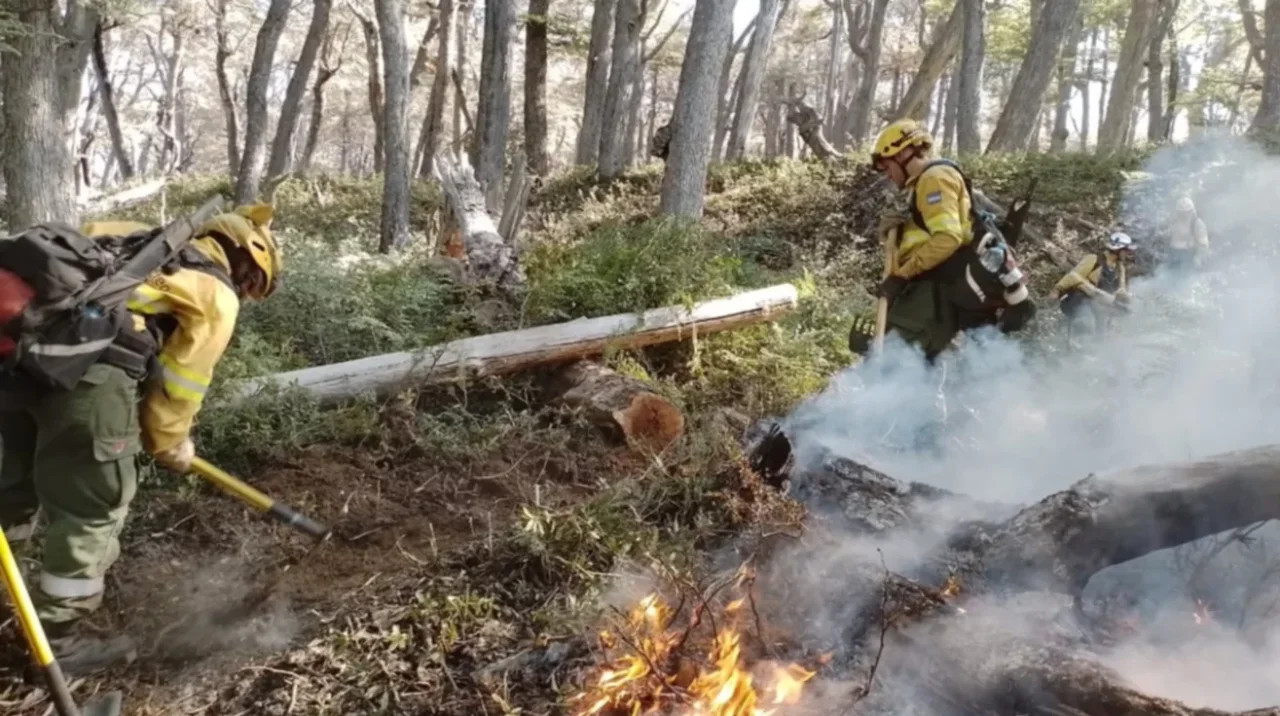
[(182, 383), (70, 587)]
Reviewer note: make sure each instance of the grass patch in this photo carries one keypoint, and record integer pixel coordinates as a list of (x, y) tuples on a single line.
[(617, 268)]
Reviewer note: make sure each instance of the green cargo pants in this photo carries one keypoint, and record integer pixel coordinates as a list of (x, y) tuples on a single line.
[(922, 316), (73, 454)]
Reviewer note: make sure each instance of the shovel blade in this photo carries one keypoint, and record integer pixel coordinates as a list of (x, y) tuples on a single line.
[(109, 705)]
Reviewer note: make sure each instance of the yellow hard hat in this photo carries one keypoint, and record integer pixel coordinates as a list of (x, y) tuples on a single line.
[(898, 136), (249, 227)]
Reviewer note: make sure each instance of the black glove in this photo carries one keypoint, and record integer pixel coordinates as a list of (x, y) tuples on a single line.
[(861, 334), (891, 287)]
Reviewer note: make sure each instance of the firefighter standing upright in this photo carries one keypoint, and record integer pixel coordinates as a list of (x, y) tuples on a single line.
[(941, 282)]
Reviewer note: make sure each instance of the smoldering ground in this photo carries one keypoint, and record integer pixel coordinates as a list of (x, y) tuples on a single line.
[(1187, 372)]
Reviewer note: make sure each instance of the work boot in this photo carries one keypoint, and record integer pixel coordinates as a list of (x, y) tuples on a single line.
[(861, 335), (80, 652)]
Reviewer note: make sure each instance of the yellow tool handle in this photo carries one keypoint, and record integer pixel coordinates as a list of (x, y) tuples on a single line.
[(33, 630), (248, 494)]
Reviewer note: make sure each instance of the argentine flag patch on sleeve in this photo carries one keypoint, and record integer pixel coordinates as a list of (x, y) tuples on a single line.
[(933, 198)]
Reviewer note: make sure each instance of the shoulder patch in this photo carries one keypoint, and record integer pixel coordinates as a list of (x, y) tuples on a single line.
[(933, 197)]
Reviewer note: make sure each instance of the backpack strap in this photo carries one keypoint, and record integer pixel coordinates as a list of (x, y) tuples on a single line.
[(916, 216), (159, 250)]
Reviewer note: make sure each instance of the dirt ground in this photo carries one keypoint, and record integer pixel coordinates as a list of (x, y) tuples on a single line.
[(216, 595)]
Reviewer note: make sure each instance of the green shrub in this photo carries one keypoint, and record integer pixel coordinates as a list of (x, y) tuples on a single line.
[(616, 269)]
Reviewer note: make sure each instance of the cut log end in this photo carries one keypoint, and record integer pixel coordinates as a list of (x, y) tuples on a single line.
[(625, 406), (650, 420)]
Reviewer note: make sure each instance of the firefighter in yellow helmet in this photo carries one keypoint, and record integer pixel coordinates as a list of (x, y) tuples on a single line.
[(72, 453), (941, 283)]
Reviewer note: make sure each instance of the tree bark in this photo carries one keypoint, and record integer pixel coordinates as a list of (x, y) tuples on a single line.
[(809, 124), (1018, 118), (1067, 79), (492, 112), (943, 48), (727, 95), (753, 70), (1124, 85), (373, 58), (109, 111), (626, 39), (683, 182), (1155, 72), (1268, 116), (461, 118), (395, 177), (225, 95), (514, 351), (489, 258), (969, 99), (625, 407), (433, 125), (535, 88), (835, 62), (1085, 84), (38, 167), (323, 75), (864, 100), (255, 124), (288, 124), (599, 58)]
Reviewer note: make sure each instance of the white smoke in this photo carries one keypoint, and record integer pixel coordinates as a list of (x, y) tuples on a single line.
[(1188, 372)]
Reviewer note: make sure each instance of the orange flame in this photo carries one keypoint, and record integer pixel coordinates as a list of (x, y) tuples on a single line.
[(651, 679)]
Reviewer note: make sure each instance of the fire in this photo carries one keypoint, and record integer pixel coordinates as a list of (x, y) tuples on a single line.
[(652, 675), (1201, 614), (952, 587)]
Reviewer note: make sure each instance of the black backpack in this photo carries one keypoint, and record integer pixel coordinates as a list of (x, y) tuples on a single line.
[(80, 290)]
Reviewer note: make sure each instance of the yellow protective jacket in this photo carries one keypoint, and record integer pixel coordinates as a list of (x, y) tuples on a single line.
[(943, 203), (202, 311), (1089, 271)]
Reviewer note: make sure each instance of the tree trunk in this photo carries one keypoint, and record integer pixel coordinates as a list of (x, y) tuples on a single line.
[(626, 39), (422, 56), (291, 108), (535, 88), (1067, 80), (597, 83), (943, 48), (969, 98), (1018, 118), (395, 178), (726, 99), (255, 124), (1085, 90), (625, 407), (433, 123), (952, 109), (492, 112), (684, 180), (631, 122), (1268, 117), (753, 70), (457, 73), (38, 167), (109, 111), (1155, 72), (835, 61), (489, 258), (513, 351), (864, 100), (225, 95), (809, 124), (1124, 85), (373, 58)]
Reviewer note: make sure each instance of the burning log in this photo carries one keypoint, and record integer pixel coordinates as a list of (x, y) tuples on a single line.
[(489, 257), (985, 616), (622, 405)]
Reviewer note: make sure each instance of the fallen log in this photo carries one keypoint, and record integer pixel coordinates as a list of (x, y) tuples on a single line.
[(490, 259), (514, 351), (957, 607), (622, 405)]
